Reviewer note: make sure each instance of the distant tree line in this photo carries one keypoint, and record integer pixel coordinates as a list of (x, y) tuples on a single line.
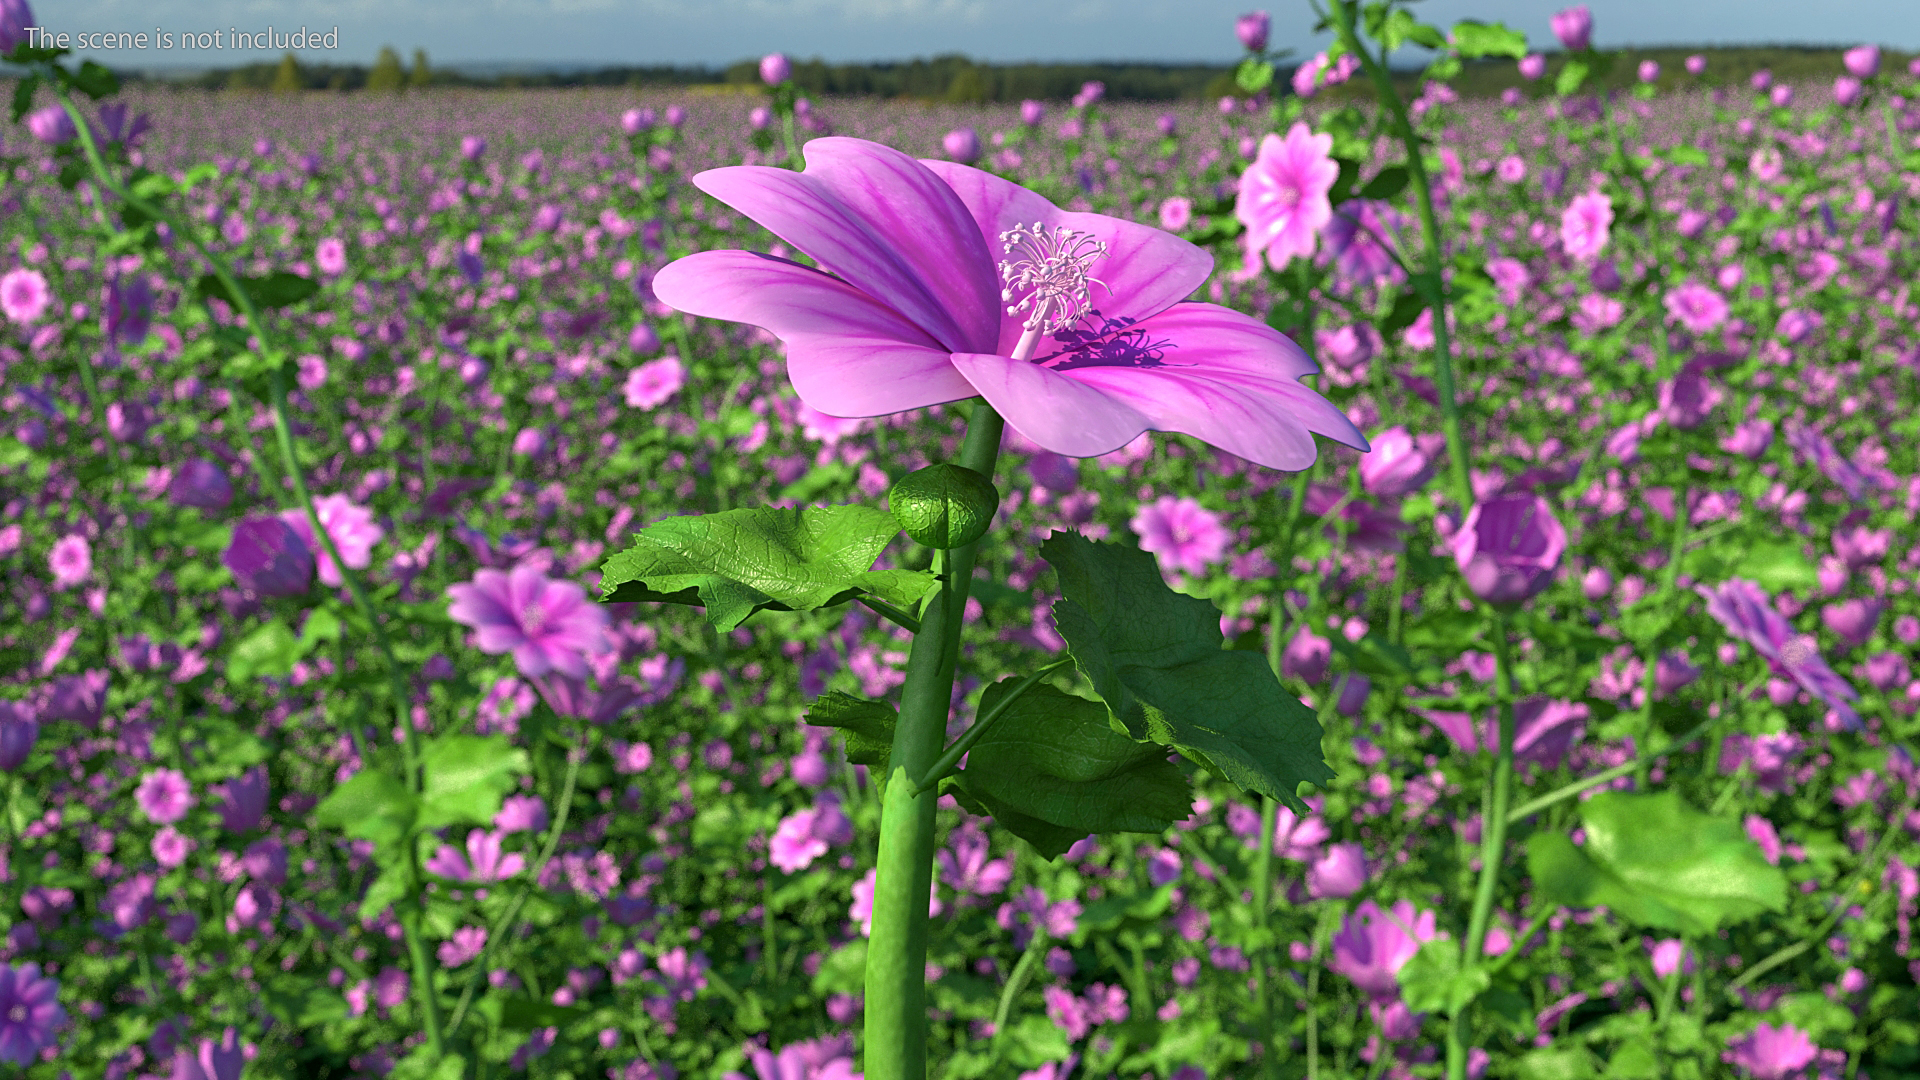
[(957, 79)]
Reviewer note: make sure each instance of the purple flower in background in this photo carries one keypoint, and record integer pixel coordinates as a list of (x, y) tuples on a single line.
[(1532, 66), (269, 558), (1862, 62), (24, 295), (774, 69), (52, 126), (200, 483), (79, 698), (1185, 535), (351, 528), (18, 732), (243, 800), (1687, 399), (655, 382), (962, 145), (1252, 30), (30, 1013), (1352, 237), (1853, 621), (1372, 945), (70, 561), (472, 147), (1747, 613), (1399, 463), (15, 17), (1772, 1053), (128, 313), (547, 625), (466, 945), (1306, 656), (521, 813), (1284, 195), (965, 866), (330, 255), (1544, 729), (826, 1058), (1509, 548), (1340, 873), (1749, 440), (1574, 28), (164, 796), (913, 319), (805, 835)]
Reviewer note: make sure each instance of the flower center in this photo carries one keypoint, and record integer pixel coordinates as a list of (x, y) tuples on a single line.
[(17, 1014), (532, 618), (1799, 651), (1050, 269)]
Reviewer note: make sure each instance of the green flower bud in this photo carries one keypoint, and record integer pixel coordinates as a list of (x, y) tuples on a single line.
[(944, 506)]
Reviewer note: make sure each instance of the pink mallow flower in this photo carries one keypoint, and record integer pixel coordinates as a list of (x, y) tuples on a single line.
[(1283, 195), (1584, 225), (483, 862), (547, 625), (30, 1013), (1185, 535), (1747, 613), (351, 527), (164, 796), (655, 382), (24, 295), (1772, 1053), (1372, 945), (805, 835), (1697, 307), (71, 560)]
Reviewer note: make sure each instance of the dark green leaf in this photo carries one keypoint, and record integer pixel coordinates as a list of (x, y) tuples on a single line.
[(467, 776), (1477, 39), (386, 890), (868, 726), (1406, 308), (23, 92), (277, 290), (1444, 630), (1374, 655), (1429, 36), (1659, 863), (1054, 757), (1387, 183), (95, 81), (743, 561), (1444, 67), (1154, 656)]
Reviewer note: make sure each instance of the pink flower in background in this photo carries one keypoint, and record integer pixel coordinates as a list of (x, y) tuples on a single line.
[(209, 1060), (547, 625), (521, 813), (1747, 613), (164, 796), (24, 295), (805, 835), (1252, 30), (1574, 28), (655, 382), (1772, 1053), (1283, 195), (330, 255), (1176, 213), (351, 528), (467, 943), (962, 145), (483, 862), (774, 69), (1862, 62), (1848, 90), (1696, 307), (1185, 535), (1509, 548), (1585, 223), (1372, 945), (1399, 463), (71, 560)]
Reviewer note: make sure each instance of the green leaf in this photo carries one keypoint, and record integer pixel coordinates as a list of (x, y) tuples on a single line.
[(526, 1014), (419, 1065), (467, 776), (387, 889), (1777, 566), (1387, 183), (1429, 36), (1634, 1059), (743, 561), (1444, 67), (1398, 28), (372, 805), (1556, 1063), (1374, 655), (868, 726), (1253, 75), (304, 1004), (23, 92), (95, 81), (1433, 980), (1657, 862), (321, 625), (269, 650), (1571, 76), (1055, 758), (1477, 39), (1049, 840), (1154, 656), (844, 971), (1687, 155), (1406, 308), (276, 290), (1444, 630)]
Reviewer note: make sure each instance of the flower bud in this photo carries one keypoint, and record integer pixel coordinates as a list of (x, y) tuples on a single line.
[(1252, 30), (269, 558), (944, 506), (1340, 873), (199, 482), (1508, 548), (774, 69)]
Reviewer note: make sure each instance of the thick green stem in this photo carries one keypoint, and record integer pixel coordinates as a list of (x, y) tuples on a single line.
[(1435, 291), (1493, 844), (896, 1024)]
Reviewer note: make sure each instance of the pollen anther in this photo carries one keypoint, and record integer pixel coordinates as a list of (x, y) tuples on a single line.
[(1048, 268)]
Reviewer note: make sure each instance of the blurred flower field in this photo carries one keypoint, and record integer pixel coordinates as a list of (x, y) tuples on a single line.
[(1681, 347)]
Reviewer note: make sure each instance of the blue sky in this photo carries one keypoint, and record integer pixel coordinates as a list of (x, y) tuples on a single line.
[(716, 32)]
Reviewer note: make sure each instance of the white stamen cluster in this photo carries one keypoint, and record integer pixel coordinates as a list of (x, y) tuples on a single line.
[(1050, 268)]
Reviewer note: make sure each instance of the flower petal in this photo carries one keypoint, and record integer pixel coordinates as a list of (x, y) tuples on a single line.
[(1224, 378), (1061, 414), (1145, 270), (879, 219), (847, 354)]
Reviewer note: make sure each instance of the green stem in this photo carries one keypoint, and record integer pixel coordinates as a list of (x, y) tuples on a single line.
[(499, 928), (1493, 843), (1320, 932), (1262, 903), (1669, 575), (896, 1018), (1534, 806), (892, 614), (944, 767), (1016, 982), (1342, 12)]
